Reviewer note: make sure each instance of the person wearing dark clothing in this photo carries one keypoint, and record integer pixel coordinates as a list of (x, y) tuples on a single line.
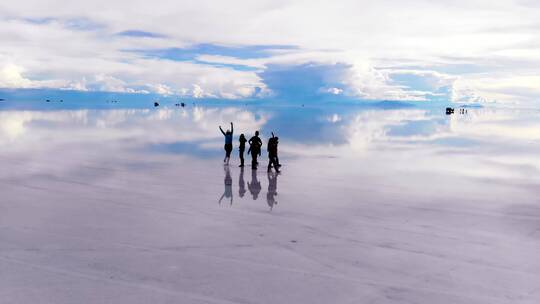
[(272, 154), (255, 144), (277, 154), (228, 143), (277, 142), (242, 148), (273, 158)]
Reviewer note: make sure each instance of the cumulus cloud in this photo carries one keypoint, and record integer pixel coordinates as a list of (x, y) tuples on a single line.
[(11, 76), (409, 50)]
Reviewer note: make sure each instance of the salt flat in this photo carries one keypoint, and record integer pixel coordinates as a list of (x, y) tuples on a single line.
[(373, 206)]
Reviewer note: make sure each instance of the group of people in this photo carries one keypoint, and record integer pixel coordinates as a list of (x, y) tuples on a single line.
[(255, 147)]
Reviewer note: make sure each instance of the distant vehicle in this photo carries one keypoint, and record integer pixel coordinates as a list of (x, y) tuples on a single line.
[(48, 100), (449, 111), (2, 99)]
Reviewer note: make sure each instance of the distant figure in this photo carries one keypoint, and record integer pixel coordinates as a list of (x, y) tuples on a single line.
[(156, 104), (228, 143), (241, 183), (272, 190), (255, 185), (255, 144), (272, 153), (242, 148), (182, 104), (228, 186), (277, 156)]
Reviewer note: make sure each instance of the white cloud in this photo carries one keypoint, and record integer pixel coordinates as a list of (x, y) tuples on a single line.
[(372, 37), (11, 76), (161, 89)]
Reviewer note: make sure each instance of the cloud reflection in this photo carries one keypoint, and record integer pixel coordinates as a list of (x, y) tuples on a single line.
[(139, 126), (408, 148), (337, 132)]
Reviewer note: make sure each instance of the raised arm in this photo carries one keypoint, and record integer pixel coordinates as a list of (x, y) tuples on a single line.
[(221, 130), (232, 128), (273, 134)]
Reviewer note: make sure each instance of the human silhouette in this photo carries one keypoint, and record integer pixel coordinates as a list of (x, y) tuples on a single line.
[(277, 156), (241, 183), (254, 185), (242, 148), (227, 181), (255, 144), (272, 153), (272, 189), (228, 143)]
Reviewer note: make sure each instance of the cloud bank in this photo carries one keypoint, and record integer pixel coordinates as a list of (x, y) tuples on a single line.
[(416, 50)]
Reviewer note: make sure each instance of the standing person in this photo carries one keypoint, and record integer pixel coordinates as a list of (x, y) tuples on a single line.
[(277, 142), (255, 144), (272, 154), (228, 143), (242, 148)]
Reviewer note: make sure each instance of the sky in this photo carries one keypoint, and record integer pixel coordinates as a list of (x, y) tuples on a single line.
[(472, 51)]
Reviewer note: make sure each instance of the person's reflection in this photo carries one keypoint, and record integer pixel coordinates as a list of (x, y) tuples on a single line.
[(272, 189), (228, 185), (255, 185), (241, 183)]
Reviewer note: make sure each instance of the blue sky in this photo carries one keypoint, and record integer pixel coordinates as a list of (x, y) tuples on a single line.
[(472, 51)]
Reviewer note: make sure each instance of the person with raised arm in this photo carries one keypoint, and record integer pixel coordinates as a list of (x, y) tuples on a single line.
[(228, 143)]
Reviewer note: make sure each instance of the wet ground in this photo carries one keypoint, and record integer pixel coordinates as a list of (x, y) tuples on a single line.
[(373, 205)]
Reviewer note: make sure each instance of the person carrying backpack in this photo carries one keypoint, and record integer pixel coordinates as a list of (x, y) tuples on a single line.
[(255, 144)]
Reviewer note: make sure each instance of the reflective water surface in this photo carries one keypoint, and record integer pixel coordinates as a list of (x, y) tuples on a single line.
[(378, 205)]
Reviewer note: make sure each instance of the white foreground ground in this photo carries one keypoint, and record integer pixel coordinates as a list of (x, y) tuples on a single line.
[(92, 218)]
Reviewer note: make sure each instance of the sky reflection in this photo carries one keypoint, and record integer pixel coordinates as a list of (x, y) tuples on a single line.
[(484, 144), (303, 131)]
